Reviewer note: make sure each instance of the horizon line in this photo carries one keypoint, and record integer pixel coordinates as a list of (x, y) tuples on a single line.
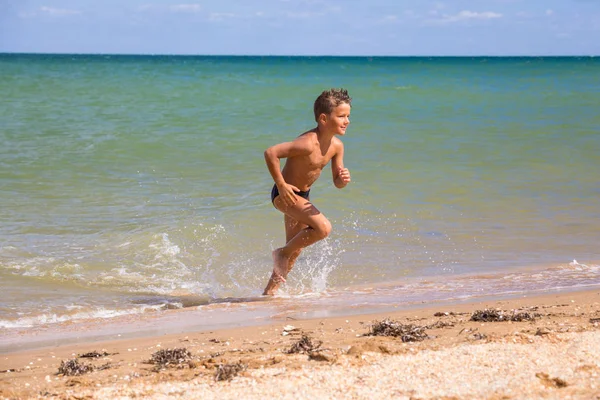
[(298, 55)]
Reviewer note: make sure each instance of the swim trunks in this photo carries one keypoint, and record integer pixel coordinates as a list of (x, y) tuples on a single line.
[(275, 193)]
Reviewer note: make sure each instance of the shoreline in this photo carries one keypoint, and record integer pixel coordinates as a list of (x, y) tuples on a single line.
[(239, 313), (221, 313), (201, 313), (554, 355)]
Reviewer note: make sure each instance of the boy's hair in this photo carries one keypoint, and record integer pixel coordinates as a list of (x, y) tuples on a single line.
[(330, 99)]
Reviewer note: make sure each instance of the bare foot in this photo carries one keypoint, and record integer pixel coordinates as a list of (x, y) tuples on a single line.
[(280, 270)]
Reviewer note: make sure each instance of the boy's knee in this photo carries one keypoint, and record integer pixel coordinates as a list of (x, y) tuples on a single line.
[(324, 229)]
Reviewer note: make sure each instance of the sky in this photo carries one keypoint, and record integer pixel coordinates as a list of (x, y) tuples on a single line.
[(302, 27)]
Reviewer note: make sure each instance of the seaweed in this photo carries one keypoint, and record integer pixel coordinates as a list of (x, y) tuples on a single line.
[(226, 372), (447, 313), (105, 366), (74, 368), (171, 357), (408, 332), (524, 316), (440, 324), (305, 345), (477, 336), (95, 354), (489, 315), (551, 382)]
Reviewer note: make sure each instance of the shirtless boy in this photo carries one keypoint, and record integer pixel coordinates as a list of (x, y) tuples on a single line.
[(306, 156)]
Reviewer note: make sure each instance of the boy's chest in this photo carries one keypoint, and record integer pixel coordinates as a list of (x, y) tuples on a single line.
[(316, 160)]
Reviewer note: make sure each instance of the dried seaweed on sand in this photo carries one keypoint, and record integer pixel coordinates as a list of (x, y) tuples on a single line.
[(551, 382), (305, 345), (226, 372), (95, 354), (440, 324), (171, 357), (408, 332), (524, 316), (489, 315), (74, 368), (447, 313)]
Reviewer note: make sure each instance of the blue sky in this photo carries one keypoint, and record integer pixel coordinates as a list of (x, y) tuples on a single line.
[(302, 27)]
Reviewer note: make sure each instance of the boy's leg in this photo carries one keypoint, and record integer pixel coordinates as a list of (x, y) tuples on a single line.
[(317, 227), (292, 227)]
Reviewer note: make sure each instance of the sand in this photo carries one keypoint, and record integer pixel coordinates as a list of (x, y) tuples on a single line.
[(551, 351)]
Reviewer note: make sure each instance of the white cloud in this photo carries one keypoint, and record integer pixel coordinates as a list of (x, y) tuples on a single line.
[(303, 15), (221, 16), (389, 19), (193, 8), (549, 12), (189, 8), (58, 12), (467, 15), (474, 15)]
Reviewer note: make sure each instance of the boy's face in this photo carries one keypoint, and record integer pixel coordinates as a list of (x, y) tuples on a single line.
[(339, 119)]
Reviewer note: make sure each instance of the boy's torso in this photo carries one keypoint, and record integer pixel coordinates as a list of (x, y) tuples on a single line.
[(302, 171)]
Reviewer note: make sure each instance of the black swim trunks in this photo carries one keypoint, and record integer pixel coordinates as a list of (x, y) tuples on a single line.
[(275, 193)]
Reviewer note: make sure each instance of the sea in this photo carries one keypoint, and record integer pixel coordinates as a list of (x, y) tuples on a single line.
[(133, 188)]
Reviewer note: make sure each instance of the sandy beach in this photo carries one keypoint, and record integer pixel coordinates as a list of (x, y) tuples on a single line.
[(523, 348)]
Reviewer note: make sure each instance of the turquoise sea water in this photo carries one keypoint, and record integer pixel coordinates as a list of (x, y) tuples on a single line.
[(133, 184)]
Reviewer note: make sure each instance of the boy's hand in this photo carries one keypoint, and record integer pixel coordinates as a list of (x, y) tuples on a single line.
[(344, 175), (286, 192)]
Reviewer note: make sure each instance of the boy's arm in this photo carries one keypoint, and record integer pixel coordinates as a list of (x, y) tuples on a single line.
[(341, 175), (285, 150)]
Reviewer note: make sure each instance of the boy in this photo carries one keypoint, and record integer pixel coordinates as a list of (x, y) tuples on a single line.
[(306, 156)]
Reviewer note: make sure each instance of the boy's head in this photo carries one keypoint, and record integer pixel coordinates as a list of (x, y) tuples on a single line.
[(330, 99)]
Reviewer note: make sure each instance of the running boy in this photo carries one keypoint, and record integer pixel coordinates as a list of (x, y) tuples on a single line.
[(306, 156)]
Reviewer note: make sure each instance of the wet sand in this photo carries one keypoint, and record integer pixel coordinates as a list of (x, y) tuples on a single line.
[(545, 347)]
